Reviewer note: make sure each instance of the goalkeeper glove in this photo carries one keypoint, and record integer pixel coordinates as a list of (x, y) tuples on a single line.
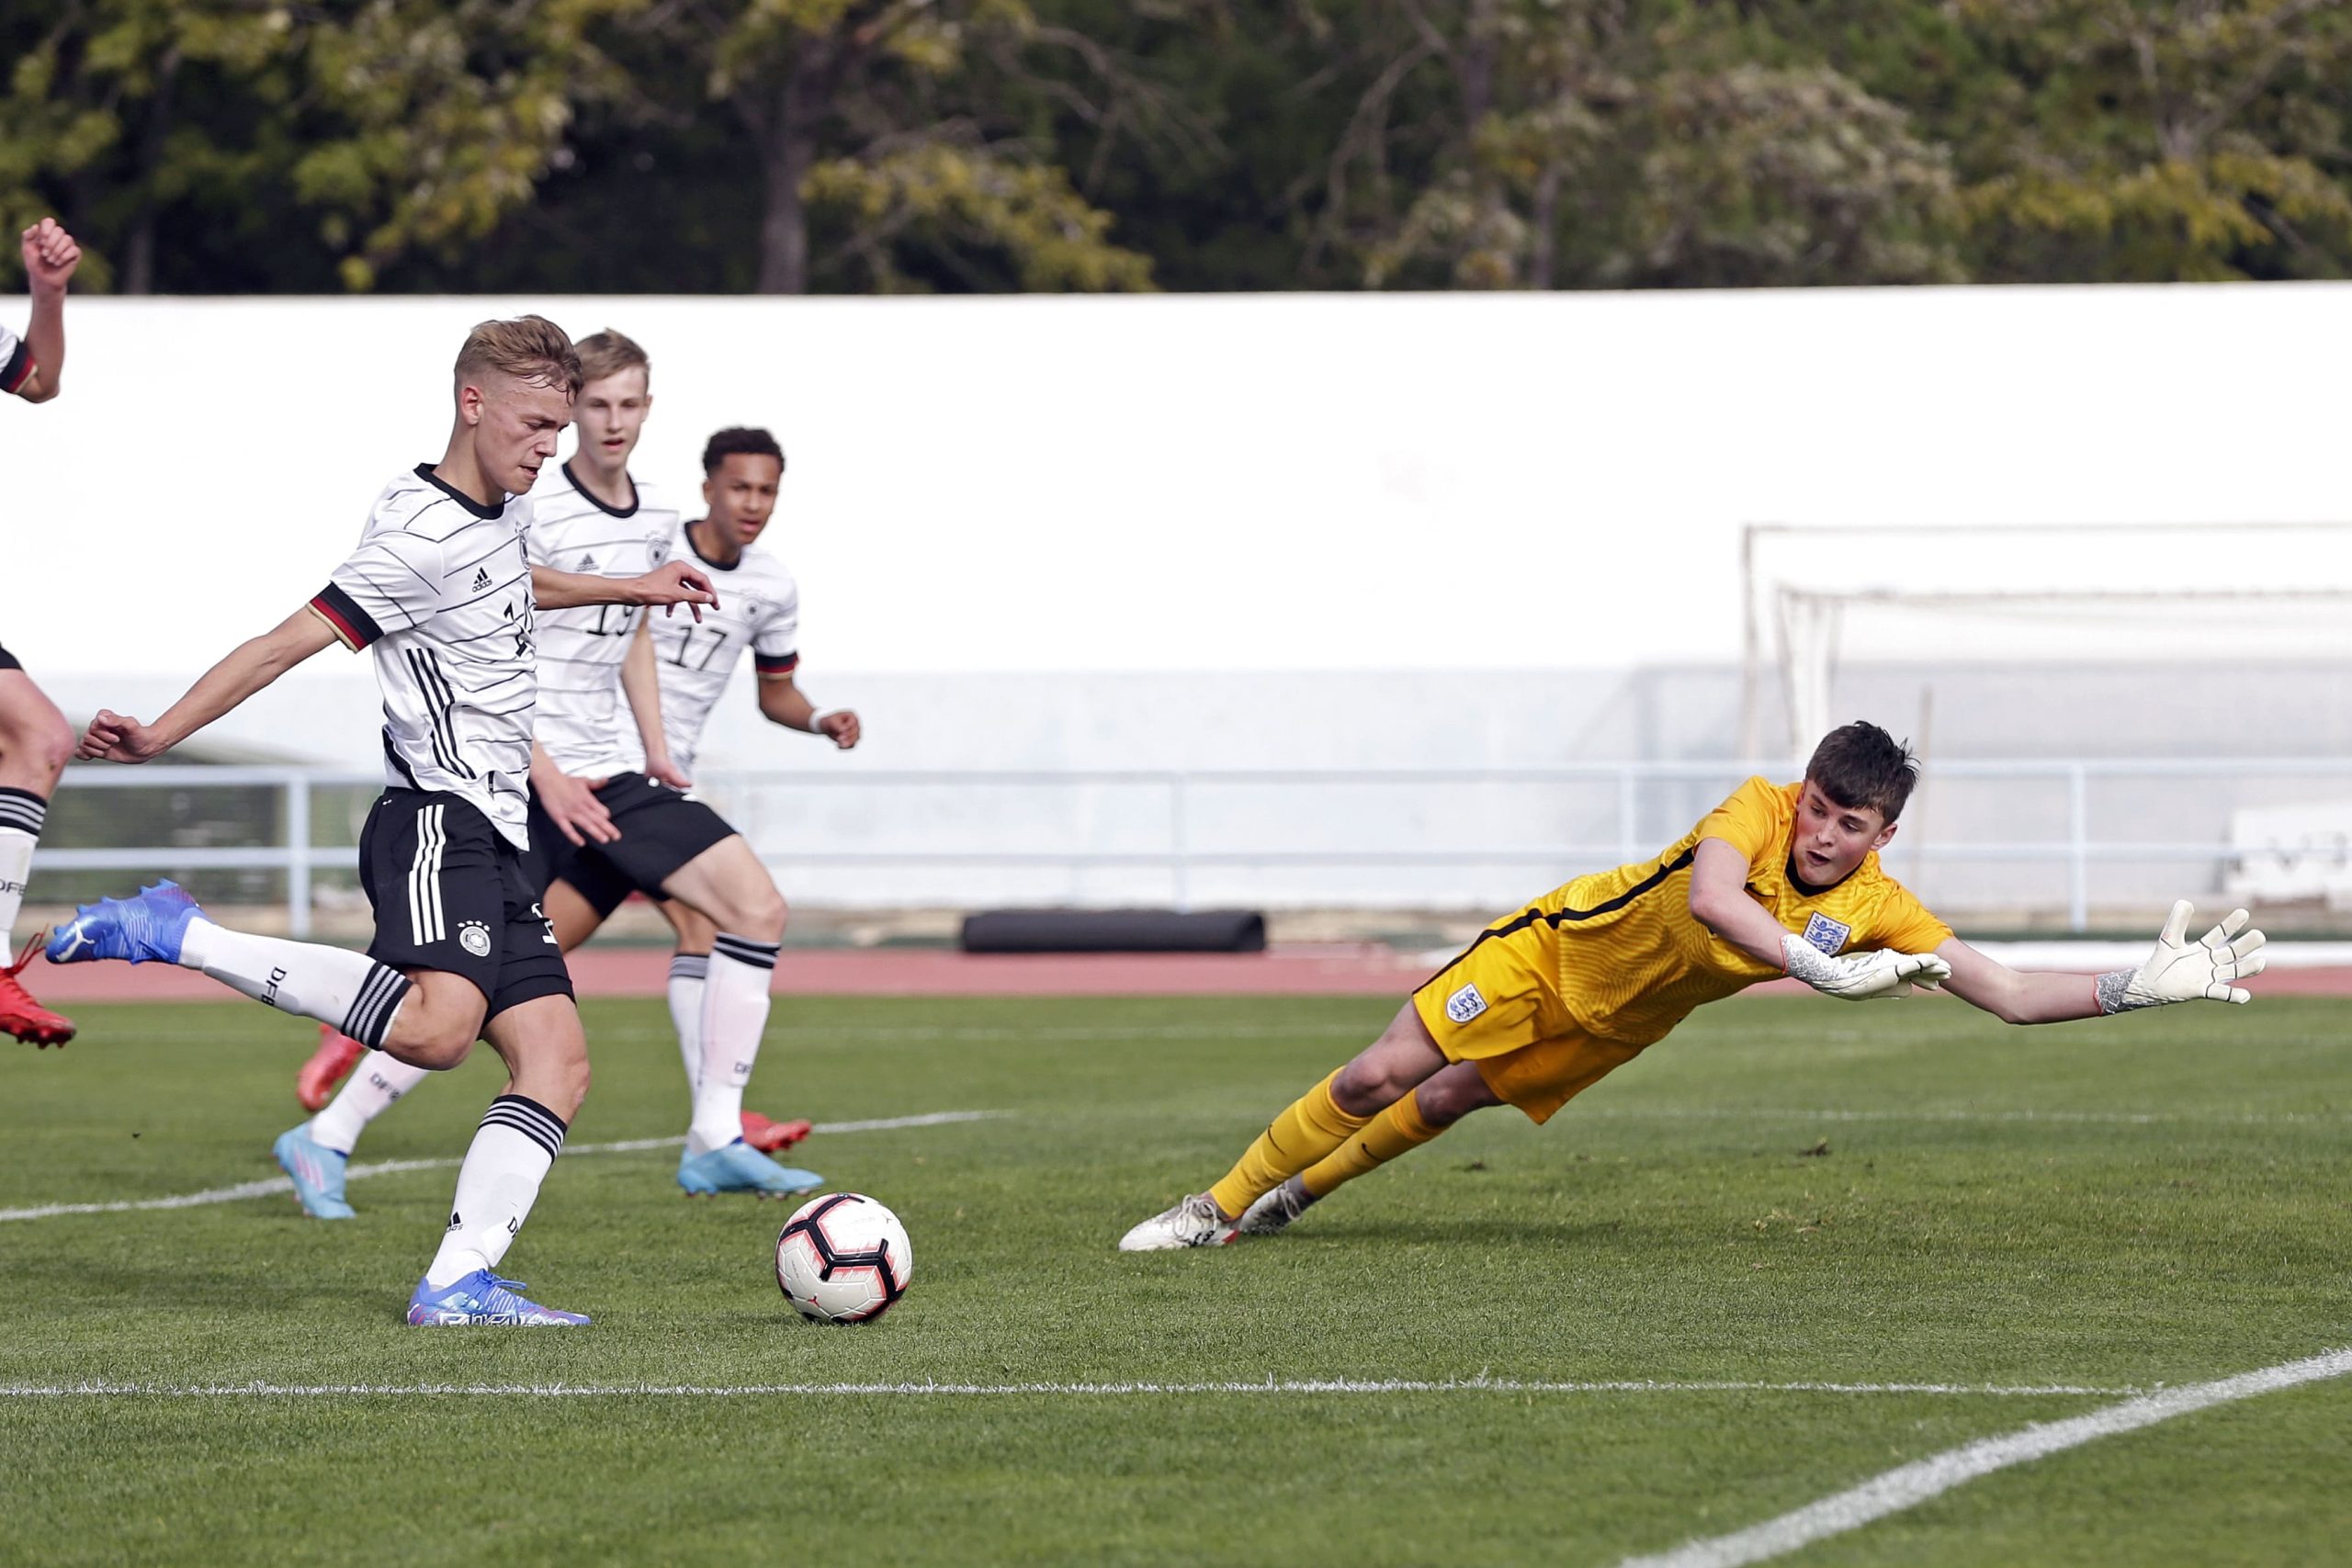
[(1861, 975), (2183, 971)]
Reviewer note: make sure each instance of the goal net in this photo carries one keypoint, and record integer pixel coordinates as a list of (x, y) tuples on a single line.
[(1823, 599)]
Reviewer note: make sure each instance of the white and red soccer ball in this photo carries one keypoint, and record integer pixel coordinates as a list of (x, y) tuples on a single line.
[(843, 1259)]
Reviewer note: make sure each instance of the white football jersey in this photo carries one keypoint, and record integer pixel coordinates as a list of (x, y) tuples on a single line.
[(759, 610), (15, 361), (440, 590), (581, 706)]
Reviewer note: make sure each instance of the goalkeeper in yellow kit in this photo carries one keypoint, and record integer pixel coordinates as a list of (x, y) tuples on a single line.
[(1780, 879)]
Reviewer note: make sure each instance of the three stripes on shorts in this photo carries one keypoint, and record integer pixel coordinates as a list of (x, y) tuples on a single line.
[(426, 920)]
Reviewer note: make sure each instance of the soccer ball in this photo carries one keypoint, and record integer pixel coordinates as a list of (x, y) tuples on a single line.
[(843, 1259)]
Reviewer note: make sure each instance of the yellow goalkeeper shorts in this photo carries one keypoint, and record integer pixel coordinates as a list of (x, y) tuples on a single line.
[(1499, 1005)]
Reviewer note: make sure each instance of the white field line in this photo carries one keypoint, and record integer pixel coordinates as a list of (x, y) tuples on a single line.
[(1110, 1390), (2063, 1118), (277, 1184), (1917, 1483)]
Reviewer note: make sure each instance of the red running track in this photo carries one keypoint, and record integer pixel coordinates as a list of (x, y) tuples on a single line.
[(1305, 970)]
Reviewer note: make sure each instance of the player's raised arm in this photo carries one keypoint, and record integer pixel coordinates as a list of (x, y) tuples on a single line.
[(672, 584), (116, 738), (50, 256), (2178, 970)]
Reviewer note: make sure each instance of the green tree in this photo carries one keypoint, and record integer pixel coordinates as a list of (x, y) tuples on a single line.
[(884, 140), (373, 129), (1541, 143), (2163, 140)]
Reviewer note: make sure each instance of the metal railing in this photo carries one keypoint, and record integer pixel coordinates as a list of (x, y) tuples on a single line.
[(1181, 855)]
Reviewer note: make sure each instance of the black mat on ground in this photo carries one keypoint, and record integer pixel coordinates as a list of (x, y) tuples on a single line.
[(1115, 930)]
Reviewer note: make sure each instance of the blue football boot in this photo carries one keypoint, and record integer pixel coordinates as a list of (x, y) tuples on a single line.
[(483, 1297), (739, 1167), (317, 1172), (146, 927)]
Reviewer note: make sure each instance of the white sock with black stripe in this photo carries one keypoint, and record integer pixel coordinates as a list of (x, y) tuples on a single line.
[(687, 973), (511, 1155), (734, 1016), (349, 990), (22, 815), (373, 1088)]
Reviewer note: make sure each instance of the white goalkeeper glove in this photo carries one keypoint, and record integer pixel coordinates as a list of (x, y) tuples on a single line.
[(1863, 975), (2183, 971)]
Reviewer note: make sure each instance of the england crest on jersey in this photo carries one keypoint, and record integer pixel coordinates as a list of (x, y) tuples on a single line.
[(1827, 934)]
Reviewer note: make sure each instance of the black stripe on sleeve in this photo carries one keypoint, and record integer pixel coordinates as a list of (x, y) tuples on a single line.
[(20, 367)]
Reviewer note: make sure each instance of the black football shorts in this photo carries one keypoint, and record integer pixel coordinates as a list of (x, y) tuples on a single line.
[(661, 829), (451, 893)]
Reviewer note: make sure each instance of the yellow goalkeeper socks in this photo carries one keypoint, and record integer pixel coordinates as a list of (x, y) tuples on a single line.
[(1310, 1129), (1387, 1135)]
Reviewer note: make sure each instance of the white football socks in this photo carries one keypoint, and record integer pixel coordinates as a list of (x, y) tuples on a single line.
[(22, 814), (687, 972), (373, 1088), (349, 990), (511, 1155), (734, 1016)]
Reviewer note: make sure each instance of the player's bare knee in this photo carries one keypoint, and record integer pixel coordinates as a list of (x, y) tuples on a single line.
[(758, 913), (1366, 1087), (1448, 1097)]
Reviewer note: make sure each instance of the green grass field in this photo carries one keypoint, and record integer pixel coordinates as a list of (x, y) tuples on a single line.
[(1787, 1192)]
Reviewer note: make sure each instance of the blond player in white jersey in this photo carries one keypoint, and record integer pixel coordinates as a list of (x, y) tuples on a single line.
[(612, 824), (35, 740), (441, 592)]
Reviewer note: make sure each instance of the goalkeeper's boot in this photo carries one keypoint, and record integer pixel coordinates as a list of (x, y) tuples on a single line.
[(146, 927), (329, 1065), (739, 1167), (316, 1171), (1195, 1222), (483, 1297), (772, 1137), (27, 1019), (1274, 1211)]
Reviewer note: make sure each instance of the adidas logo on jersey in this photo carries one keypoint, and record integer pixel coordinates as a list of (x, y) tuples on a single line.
[(481, 581), (587, 563)]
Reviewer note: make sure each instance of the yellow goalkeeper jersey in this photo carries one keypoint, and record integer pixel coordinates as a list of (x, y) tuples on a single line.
[(1632, 962)]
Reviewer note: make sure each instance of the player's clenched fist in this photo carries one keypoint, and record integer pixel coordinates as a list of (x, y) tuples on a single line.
[(1860, 977), (112, 738), (2182, 971), (51, 256)]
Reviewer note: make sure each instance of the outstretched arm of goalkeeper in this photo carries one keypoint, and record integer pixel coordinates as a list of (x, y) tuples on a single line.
[(2177, 970)]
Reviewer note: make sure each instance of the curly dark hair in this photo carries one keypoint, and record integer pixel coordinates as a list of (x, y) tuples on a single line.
[(1861, 765), (739, 439)]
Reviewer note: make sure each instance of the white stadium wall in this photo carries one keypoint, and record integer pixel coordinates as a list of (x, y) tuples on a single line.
[(1048, 532)]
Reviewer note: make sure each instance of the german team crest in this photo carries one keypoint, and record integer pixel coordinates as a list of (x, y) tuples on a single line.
[(1827, 934)]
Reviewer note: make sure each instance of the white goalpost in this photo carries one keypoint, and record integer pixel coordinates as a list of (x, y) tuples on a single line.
[(1818, 597)]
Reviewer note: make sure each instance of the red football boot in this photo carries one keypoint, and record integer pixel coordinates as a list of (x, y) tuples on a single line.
[(27, 1019), (772, 1137), (329, 1065)]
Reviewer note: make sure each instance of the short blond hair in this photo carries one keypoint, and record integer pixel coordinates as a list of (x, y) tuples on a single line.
[(609, 353), (529, 348)]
